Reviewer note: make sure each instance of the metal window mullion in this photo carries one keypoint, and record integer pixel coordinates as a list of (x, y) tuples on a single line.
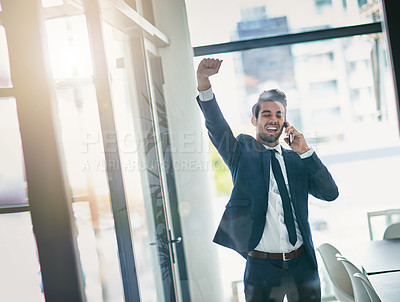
[(49, 201), (310, 36), (6, 93), (10, 210), (113, 164)]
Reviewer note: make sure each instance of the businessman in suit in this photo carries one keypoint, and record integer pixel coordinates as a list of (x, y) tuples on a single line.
[(266, 218)]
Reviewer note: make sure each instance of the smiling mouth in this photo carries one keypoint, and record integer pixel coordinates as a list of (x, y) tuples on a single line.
[(271, 129)]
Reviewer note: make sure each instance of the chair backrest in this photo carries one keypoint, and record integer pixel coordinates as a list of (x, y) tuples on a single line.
[(363, 281), (360, 293), (392, 231), (386, 213), (340, 279)]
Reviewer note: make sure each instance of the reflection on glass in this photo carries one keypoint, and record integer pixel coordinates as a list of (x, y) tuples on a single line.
[(85, 164), (80, 132), (20, 270), (341, 96), (139, 190), (246, 20), (5, 78), (12, 167)]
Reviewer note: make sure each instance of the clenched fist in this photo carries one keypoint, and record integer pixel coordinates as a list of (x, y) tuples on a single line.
[(207, 68)]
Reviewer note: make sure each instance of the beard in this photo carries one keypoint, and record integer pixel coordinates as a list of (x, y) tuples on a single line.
[(270, 138)]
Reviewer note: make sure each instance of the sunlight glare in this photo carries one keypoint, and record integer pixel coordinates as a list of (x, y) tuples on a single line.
[(69, 47)]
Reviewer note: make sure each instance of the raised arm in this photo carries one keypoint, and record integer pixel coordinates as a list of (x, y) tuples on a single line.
[(207, 68), (218, 129)]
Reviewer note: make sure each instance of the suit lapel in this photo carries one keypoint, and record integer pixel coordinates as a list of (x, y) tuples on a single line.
[(266, 158)]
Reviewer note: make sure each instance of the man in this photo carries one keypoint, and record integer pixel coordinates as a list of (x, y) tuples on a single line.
[(266, 218)]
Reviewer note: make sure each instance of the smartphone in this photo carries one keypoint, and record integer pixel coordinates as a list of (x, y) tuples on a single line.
[(290, 137)]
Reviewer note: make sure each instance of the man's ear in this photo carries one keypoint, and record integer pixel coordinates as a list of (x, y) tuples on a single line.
[(254, 121)]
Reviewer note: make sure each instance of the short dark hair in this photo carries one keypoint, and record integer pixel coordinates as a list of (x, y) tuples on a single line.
[(274, 95)]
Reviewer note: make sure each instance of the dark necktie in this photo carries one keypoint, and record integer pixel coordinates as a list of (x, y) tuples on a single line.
[(287, 208)]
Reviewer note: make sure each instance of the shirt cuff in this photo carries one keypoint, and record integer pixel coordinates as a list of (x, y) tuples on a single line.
[(206, 95), (307, 154)]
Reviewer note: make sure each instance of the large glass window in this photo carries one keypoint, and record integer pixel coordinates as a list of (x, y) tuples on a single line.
[(132, 150), (13, 187), (214, 22), (85, 149), (5, 79), (20, 278), (19, 262), (82, 143), (84, 146), (341, 96)]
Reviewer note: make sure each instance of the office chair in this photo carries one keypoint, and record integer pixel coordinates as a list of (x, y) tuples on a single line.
[(360, 293), (392, 231), (337, 273), (363, 284), (386, 213)]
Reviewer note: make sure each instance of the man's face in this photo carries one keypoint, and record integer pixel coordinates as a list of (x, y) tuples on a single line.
[(269, 124)]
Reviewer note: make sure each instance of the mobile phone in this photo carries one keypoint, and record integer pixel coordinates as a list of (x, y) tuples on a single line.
[(290, 137)]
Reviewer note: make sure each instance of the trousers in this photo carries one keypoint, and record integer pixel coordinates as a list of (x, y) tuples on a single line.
[(267, 280)]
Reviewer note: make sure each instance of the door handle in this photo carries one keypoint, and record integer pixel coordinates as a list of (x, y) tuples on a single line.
[(177, 240)]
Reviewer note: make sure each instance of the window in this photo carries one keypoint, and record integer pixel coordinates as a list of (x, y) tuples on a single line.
[(5, 79), (20, 277), (13, 187), (272, 18), (336, 98), (322, 5), (323, 2), (362, 2), (83, 152)]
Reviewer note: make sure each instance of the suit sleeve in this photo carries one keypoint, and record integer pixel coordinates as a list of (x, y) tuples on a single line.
[(220, 133), (321, 183)]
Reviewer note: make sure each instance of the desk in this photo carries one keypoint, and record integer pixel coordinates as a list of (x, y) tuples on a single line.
[(387, 286), (379, 256)]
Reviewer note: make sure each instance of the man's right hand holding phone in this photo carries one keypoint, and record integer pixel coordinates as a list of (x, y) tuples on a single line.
[(295, 140)]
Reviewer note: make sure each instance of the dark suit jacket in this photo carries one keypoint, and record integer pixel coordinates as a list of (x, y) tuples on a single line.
[(243, 221)]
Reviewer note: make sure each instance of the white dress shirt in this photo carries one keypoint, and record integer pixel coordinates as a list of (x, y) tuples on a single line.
[(275, 238)]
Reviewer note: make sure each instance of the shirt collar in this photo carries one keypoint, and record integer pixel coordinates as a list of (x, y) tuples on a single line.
[(278, 148)]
